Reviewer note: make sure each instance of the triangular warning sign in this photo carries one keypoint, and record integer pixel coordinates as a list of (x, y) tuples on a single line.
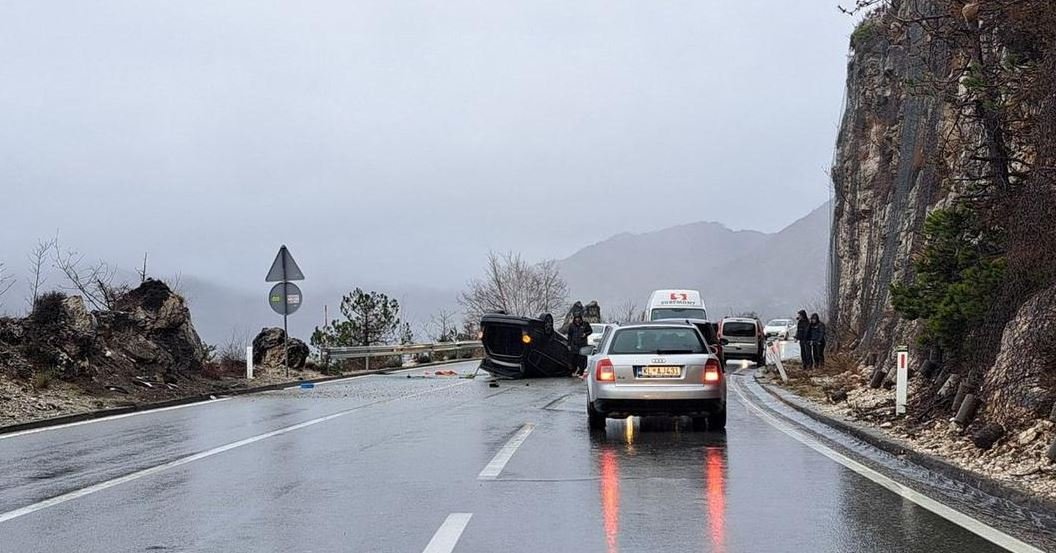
[(284, 268)]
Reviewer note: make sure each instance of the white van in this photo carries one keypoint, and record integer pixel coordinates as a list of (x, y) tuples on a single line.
[(675, 304)]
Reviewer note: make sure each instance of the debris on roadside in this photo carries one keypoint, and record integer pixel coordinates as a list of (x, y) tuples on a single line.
[(1024, 457)]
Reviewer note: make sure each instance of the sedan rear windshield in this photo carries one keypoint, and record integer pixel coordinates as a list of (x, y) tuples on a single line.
[(678, 313), (656, 341), (738, 329)]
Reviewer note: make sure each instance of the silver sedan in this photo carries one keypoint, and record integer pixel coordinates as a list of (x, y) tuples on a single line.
[(656, 368)]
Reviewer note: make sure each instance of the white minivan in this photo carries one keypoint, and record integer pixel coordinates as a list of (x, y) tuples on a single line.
[(675, 304)]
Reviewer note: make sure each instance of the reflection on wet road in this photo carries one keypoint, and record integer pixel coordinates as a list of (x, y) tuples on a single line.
[(402, 460)]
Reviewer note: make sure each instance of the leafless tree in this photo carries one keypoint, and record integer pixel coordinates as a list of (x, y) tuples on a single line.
[(6, 282), (514, 286), (628, 312), (175, 283), (143, 271), (93, 282), (442, 326), (232, 354), (38, 277)]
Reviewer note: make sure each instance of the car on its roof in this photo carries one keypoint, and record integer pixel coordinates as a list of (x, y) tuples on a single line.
[(657, 368)]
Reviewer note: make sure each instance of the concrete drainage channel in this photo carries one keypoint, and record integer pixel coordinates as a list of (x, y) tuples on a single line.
[(1009, 520), (202, 398)]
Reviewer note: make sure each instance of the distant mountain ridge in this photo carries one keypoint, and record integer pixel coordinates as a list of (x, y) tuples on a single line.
[(736, 270)]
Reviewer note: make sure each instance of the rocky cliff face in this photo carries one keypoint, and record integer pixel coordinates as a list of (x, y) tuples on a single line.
[(949, 104), (883, 186)]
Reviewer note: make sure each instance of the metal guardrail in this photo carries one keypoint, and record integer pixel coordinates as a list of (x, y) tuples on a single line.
[(366, 352)]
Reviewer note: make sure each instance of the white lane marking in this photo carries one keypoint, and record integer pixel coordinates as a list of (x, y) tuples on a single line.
[(446, 537), (977, 527), (111, 418), (70, 496), (494, 468)]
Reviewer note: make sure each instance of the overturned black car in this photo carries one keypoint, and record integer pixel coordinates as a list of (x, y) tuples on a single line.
[(524, 347)]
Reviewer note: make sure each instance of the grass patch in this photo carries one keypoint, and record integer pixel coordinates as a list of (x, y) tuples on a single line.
[(868, 30)]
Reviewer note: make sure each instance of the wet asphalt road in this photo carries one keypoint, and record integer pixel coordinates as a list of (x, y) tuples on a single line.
[(399, 455)]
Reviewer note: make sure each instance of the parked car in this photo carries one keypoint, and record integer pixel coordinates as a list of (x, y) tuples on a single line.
[(597, 331), (656, 368), (743, 339), (779, 328)]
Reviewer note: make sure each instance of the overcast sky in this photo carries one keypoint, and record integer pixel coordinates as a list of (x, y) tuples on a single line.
[(398, 141)]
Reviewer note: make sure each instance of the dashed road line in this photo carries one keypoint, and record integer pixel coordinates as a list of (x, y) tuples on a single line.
[(494, 468), (446, 537), (967, 522)]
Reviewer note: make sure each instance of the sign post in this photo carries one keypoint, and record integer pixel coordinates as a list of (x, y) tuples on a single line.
[(285, 297), (901, 379), (249, 362)]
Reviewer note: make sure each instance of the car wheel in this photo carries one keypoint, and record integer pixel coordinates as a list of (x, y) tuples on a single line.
[(717, 421), (595, 420), (700, 424)]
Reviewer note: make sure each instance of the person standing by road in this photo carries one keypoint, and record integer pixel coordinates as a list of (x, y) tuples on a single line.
[(803, 337), (578, 332), (817, 340)]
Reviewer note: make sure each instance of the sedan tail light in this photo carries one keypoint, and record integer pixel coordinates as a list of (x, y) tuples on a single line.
[(605, 371), (711, 371)]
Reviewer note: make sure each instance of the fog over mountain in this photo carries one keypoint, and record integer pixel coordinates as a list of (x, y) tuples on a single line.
[(391, 145), (737, 271)]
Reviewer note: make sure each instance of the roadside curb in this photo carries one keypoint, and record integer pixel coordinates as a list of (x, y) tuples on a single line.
[(902, 449), (201, 398)]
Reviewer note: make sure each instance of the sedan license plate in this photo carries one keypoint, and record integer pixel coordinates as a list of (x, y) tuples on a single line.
[(660, 371)]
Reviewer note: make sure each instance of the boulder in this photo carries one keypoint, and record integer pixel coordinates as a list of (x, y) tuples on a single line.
[(149, 330), (152, 325), (591, 313), (77, 319), (1021, 386), (267, 349)]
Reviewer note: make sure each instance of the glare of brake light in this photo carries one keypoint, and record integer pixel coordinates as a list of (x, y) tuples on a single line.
[(605, 372), (711, 371), (526, 338)]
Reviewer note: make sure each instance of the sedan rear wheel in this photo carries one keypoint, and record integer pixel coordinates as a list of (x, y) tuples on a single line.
[(717, 421), (595, 420)]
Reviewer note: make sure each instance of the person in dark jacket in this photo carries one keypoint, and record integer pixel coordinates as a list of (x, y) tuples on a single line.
[(578, 332), (817, 340), (803, 337)]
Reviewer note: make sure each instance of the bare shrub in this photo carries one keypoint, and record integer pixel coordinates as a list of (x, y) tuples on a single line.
[(516, 287), (38, 277), (95, 283)]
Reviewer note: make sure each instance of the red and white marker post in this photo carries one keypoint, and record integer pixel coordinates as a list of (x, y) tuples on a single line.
[(901, 379)]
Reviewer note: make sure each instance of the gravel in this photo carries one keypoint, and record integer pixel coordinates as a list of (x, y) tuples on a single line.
[(1018, 458)]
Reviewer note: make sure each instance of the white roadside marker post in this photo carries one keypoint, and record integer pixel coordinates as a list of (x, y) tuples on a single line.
[(901, 379), (777, 361), (249, 362)]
